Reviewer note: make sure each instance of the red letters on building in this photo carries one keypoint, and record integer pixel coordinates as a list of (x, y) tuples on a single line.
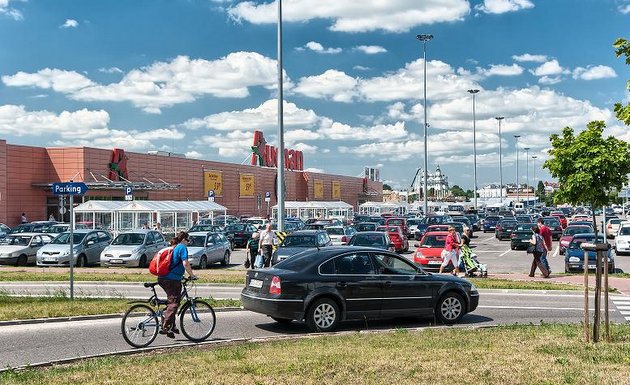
[(266, 155)]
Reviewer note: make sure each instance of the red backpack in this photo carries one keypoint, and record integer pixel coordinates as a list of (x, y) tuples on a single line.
[(161, 263)]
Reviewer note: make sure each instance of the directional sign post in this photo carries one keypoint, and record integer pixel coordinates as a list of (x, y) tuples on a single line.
[(71, 189)]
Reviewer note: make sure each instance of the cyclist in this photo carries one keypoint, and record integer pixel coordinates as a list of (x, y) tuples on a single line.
[(172, 282)]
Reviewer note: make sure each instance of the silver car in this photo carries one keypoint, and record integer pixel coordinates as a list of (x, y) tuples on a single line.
[(340, 235), (88, 245), (21, 249), (208, 247), (133, 248)]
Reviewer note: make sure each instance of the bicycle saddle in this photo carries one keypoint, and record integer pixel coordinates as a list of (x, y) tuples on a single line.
[(150, 284)]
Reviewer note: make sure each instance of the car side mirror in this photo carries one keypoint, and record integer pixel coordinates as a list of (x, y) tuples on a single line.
[(90, 243), (391, 245), (210, 244)]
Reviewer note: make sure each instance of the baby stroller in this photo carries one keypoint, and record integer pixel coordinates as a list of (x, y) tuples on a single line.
[(470, 264)]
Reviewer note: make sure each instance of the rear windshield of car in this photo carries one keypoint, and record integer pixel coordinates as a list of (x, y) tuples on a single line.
[(367, 240), (615, 221), (551, 222), (396, 222), (624, 230), (201, 228), (577, 241), (129, 239), (335, 231), (433, 241), (236, 227), (365, 226), (300, 241), (508, 224), (572, 230), (412, 222), (490, 219), (524, 227)]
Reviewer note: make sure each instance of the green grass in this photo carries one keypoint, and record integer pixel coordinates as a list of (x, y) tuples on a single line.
[(515, 355), (12, 308), (495, 283)]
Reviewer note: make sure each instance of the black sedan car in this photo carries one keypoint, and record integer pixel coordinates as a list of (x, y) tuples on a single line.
[(326, 286), (521, 235), (554, 225), (504, 229), (240, 233)]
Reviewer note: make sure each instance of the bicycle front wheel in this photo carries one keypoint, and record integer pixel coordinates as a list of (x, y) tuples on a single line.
[(197, 320), (140, 326)]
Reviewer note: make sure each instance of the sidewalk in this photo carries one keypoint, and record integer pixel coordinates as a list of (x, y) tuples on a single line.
[(621, 284)]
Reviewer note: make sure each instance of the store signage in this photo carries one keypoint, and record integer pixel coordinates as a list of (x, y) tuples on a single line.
[(318, 189), (69, 188), (336, 190), (247, 187), (213, 180), (267, 156)]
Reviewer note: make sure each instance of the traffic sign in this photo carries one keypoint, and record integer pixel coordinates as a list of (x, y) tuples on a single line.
[(128, 193), (69, 188), (211, 195), (62, 210), (267, 194)]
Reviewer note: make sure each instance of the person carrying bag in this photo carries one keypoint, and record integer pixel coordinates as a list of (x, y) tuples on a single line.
[(536, 248)]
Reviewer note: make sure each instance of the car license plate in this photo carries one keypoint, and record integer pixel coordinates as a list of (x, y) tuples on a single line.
[(592, 266), (435, 262), (257, 283), (525, 240), (50, 259), (114, 261)]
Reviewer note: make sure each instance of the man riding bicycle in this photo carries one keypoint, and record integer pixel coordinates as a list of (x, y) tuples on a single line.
[(172, 282)]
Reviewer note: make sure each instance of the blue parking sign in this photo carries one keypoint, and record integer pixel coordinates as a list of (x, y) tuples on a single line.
[(128, 190)]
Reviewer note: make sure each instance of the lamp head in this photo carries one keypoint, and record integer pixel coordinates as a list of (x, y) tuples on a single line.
[(424, 37), (473, 91), (500, 117)]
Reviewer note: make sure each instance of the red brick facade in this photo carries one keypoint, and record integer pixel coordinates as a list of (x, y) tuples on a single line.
[(22, 168)]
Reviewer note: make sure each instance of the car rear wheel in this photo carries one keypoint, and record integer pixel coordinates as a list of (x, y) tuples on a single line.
[(323, 315), (226, 258), (143, 262), (203, 262), (21, 261), (82, 261), (450, 308)]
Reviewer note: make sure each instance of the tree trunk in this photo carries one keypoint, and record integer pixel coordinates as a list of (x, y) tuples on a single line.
[(594, 221)]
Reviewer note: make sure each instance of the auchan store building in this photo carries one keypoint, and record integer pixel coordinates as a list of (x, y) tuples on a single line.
[(27, 172)]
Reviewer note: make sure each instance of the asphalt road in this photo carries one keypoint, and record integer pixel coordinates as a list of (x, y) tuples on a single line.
[(36, 343)]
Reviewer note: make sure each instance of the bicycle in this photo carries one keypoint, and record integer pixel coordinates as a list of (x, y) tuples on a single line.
[(141, 323)]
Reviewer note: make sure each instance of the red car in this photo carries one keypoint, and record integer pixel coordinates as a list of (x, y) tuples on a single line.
[(569, 233), (396, 236), (561, 218), (397, 221), (428, 253)]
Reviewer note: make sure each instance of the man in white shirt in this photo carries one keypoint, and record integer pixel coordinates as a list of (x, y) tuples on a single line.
[(266, 241)]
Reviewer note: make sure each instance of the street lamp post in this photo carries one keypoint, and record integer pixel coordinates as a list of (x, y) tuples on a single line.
[(474, 92), (517, 193), (534, 176), (527, 171), (499, 119), (280, 183), (424, 38)]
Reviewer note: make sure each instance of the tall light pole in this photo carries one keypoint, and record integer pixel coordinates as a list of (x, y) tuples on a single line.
[(499, 119), (527, 172), (280, 183), (517, 194), (474, 92), (424, 38), (534, 168)]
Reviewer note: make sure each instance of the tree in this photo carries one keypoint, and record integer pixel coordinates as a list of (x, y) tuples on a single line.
[(540, 190), (458, 191), (588, 166), (387, 187), (622, 48)]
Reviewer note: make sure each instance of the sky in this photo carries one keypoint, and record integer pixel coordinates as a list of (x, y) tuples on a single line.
[(198, 77)]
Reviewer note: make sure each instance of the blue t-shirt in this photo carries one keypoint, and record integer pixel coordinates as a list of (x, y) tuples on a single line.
[(180, 254)]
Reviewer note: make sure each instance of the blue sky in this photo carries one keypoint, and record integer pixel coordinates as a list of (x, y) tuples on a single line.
[(199, 76)]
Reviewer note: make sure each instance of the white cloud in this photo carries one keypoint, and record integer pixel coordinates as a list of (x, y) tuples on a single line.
[(501, 70), (594, 72), (317, 47), (164, 84), (624, 8), (10, 12), (16, 120), (370, 49), (549, 68), (70, 23), (194, 154), (305, 148), (361, 68), (315, 170), (340, 131), (230, 144), (549, 80), (332, 84), (357, 16), (503, 6), (110, 70), (530, 58)]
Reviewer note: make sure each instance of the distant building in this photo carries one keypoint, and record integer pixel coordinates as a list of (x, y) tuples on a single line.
[(436, 181)]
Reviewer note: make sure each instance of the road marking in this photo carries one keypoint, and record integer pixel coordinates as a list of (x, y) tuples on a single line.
[(505, 252), (531, 307), (623, 306), (486, 240), (555, 253)]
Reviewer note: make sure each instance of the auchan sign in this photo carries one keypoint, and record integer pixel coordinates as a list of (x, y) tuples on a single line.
[(267, 156)]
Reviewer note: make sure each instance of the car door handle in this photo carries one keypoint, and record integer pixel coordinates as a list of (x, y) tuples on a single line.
[(342, 285), (387, 284)]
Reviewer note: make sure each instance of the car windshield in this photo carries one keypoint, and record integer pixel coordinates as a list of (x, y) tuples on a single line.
[(366, 227), (64, 239), (493, 219), (524, 227), (624, 230), (396, 222), (551, 222), (508, 224), (433, 241), (615, 221), (412, 222), (462, 220), (236, 227), (334, 231), (16, 240), (129, 239), (196, 241), (572, 230), (577, 241), (200, 228), (299, 241), (367, 240), (523, 218)]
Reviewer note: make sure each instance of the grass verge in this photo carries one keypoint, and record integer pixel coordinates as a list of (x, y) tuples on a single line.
[(12, 308), (547, 354), (497, 283)]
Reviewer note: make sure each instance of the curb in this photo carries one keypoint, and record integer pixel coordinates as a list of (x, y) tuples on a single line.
[(88, 318)]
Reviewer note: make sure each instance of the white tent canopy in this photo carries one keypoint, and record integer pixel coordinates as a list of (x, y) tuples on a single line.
[(118, 216), (378, 208), (316, 209)]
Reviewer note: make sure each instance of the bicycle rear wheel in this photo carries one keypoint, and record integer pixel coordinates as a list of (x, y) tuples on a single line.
[(197, 320), (140, 326)]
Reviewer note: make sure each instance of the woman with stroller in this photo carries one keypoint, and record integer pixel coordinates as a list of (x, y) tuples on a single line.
[(449, 254)]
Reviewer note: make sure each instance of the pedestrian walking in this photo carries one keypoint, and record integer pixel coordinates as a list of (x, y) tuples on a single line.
[(252, 251), (158, 227), (449, 254), (51, 218), (23, 218), (545, 233), (172, 282), (266, 242), (537, 247)]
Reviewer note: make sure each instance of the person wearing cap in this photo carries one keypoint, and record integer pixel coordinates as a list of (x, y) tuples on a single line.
[(449, 254)]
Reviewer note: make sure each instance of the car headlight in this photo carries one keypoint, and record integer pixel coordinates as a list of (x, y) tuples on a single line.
[(473, 288), (65, 253), (574, 259)]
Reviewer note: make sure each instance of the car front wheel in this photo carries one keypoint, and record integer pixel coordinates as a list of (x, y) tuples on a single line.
[(450, 308), (323, 315)]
